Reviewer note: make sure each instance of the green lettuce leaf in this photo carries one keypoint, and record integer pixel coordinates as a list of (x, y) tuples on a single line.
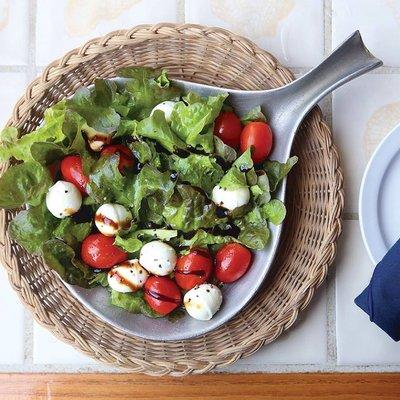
[(71, 232), (129, 243), (134, 241), (198, 170), (274, 211), (74, 143), (126, 127), (236, 177), (260, 190), (108, 185), (193, 122), (25, 183), (50, 131), (189, 210), (61, 258), (33, 227), (132, 302), (253, 115), (156, 127), (254, 231), (276, 171), (150, 182), (203, 238), (105, 95), (224, 151), (103, 119), (100, 279), (148, 88), (145, 152)]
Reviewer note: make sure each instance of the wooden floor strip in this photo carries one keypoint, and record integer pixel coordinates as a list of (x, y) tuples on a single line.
[(365, 386)]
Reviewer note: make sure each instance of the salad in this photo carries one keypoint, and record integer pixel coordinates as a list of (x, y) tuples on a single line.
[(156, 195)]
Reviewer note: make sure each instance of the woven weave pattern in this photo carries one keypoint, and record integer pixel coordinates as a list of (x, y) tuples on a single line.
[(314, 201)]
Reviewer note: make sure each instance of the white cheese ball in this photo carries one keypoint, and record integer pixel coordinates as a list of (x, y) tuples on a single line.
[(112, 219), (97, 140), (63, 199), (230, 199), (203, 301), (158, 258), (127, 277), (166, 107)]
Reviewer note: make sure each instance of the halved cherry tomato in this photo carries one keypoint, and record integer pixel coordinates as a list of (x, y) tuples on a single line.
[(258, 136), (193, 269), (231, 262), (72, 171), (162, 294), (99, 251), (126, 160), (228, 128)]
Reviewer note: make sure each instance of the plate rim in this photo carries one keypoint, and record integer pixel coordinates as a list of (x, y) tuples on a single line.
[(366, 179)]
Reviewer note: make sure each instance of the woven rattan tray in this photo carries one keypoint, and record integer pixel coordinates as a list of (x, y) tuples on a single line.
[(315, 202)]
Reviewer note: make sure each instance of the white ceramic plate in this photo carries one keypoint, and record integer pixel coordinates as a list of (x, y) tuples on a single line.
[(379, 202)]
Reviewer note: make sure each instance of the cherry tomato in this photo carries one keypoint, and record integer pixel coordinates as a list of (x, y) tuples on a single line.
[(54, 169), (162, 294), (257, 136), (228, 128), (193, 269), (231, 262), (99, 251), (126, 160), (71, 170)]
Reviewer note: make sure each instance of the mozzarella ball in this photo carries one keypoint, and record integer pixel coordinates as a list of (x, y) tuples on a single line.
[(230, 199), (63, 199), (166, 107), (127, 277), (97, 140), (158, 258), (203, 301), (112, 219)]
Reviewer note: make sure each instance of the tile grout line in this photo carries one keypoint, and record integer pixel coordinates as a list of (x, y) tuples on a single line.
[(181, 17), (31, 73), (234, 368), (32, 40), (331, 277)]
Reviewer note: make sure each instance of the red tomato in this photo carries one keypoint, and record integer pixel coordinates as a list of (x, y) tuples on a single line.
[(162, 294), (71, 170), (99, 251), (231, 262), (228, 128), (126, 159), (257, 136), (193, 269), (54, 169)]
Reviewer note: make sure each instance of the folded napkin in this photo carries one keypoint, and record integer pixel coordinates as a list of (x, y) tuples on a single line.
[(381, 298)]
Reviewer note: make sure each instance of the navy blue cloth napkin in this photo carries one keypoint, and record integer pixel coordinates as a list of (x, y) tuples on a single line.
[(381, 298)]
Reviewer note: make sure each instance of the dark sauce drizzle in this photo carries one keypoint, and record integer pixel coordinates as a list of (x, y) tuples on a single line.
[(161, 297)]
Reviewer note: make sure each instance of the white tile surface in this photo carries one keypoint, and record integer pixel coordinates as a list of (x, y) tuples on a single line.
[(303, 343), (359, 341), (12, 86), (12, 329), (378, 22), (364, 111), (14, 28), (47, 349), (65, 24), (277, 26)]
